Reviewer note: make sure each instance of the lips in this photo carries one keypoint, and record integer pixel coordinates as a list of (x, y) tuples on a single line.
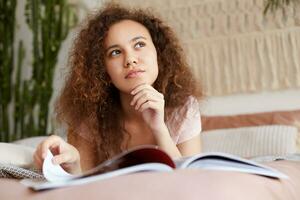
[(134, 73)]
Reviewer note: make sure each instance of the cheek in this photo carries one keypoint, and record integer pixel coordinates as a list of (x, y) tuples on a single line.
[(154, 56), (155, 62), (151, 57), (112, 67), (152, 61)]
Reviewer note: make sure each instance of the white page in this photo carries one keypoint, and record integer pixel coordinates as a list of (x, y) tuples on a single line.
[(150, 167), (217, 164), (54, 173), (228, 162)]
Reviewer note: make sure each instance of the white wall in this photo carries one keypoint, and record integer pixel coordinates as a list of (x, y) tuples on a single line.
[(251, 103)]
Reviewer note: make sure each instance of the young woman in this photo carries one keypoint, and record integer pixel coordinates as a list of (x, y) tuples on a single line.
[(129, 85)]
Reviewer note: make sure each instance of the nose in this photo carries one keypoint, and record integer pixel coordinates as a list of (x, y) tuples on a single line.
[(131, 61)]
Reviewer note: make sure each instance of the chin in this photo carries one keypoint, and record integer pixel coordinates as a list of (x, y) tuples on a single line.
[(130, 85)]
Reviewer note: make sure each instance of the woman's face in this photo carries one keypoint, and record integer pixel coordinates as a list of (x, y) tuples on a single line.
[(130, 55)]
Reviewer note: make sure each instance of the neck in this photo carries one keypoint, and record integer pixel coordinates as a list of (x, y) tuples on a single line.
[(129, 113)]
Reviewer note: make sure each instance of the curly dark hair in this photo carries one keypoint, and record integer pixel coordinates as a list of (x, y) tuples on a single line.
[(88, 96)]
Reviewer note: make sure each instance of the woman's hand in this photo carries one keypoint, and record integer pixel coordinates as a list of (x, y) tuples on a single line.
[(151, 103), (64, 154)]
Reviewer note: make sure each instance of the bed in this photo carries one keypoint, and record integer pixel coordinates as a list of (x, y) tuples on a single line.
[(181, 184)]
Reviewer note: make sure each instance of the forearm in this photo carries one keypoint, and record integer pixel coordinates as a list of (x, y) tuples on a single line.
[(87, 152), (165, 142)]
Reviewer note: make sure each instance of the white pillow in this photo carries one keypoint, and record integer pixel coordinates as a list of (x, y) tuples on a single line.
[(252, 141), (31, 141), (17, 155)]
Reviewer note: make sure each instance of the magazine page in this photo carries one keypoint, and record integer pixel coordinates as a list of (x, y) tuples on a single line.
[(228, 162), (132, 157), (135, 156), (144, 158), (147, 167), (54, 173)]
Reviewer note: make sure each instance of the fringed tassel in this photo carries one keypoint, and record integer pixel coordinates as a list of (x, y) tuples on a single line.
[(248, 62)]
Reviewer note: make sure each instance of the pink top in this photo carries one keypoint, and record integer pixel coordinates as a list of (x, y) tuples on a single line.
[(190, 127), (180, 131)]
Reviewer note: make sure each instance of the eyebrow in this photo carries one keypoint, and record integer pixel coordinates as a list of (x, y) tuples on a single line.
[(132, 40), (138, 37)]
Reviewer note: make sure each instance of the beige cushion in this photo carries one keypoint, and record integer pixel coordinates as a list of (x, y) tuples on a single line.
[(17, 155), (289, 118), (252, 141)]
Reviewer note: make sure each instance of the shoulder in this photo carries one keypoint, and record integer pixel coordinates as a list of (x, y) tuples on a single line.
[(192, 105), (189, 109), (185, 121)]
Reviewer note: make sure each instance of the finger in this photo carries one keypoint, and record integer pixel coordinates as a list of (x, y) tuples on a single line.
[(38, 150), (52, 147), (146, 91), (138, 96), (50, 143), (61, 158), (37, 161), (37, 156), (145, 98), (141, 87), (149, 105), (55, 149)]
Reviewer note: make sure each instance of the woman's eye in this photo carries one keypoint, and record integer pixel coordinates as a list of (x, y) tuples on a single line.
[(114, 53), (139, 45)]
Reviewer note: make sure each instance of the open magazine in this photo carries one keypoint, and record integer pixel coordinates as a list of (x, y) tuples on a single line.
[(146, 158)]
